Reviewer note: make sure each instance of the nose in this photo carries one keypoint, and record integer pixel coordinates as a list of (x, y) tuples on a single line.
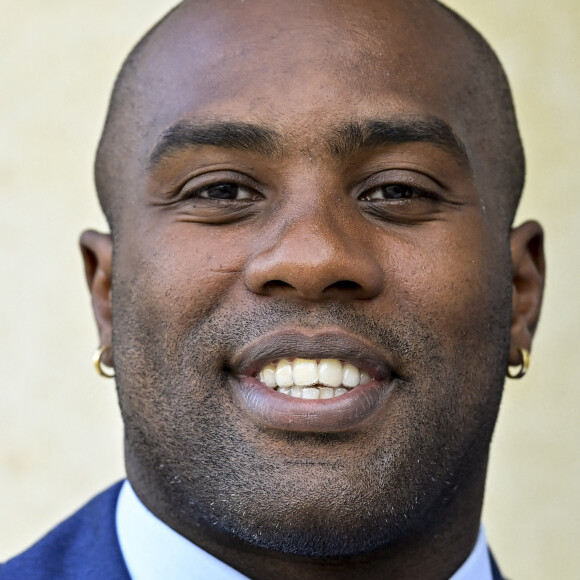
[(318, 259)]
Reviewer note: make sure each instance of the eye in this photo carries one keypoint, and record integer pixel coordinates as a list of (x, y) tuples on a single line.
[(224, 191), (394, 191), (219, 199), (402, 196)]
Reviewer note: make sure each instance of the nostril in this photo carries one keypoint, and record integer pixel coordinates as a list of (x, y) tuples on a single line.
[(277, 285), (344, 285)]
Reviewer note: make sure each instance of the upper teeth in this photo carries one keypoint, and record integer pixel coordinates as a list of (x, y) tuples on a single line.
[(332, 375)]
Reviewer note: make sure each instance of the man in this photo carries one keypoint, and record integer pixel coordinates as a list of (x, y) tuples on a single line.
[(310, 296)]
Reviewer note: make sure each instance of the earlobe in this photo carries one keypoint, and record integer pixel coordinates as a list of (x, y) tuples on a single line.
[(528, 273), (97, 251)]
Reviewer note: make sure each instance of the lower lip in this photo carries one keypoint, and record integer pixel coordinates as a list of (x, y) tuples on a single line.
[(277, 411)]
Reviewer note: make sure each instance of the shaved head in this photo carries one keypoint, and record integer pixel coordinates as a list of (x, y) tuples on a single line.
[(308, 201), (480, 89)]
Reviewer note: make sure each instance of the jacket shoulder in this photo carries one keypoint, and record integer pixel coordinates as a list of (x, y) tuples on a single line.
[(495, 568), (85, 546)]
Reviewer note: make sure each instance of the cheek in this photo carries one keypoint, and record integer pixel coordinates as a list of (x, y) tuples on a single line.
[(182, 274), (455, 278), (455, 288), (164, 289), (459, 284)]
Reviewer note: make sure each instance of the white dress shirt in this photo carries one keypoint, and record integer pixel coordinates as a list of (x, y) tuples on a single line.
[(152, 550)]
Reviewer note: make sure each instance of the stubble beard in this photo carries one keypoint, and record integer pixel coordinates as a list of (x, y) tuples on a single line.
[(317, 495)]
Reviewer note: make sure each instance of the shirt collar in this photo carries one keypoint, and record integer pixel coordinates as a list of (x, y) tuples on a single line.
[(477, 566), (151, 549)]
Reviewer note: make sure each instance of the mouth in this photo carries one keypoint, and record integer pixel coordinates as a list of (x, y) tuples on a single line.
[(311, 381)]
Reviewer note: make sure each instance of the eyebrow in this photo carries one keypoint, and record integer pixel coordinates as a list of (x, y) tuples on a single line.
[(344, 140), (226, 134), (354, 135)]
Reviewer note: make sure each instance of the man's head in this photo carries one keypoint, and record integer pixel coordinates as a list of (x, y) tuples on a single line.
[(321, 181)]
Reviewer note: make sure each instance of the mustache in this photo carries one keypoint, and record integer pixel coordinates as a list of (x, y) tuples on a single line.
[(227, 331)]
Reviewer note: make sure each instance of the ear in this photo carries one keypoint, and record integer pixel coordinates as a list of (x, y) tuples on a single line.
[(97, 251), (528, 271)]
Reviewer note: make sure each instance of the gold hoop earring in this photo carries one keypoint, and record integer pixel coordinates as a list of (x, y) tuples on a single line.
[(523, 367), (98, 363)]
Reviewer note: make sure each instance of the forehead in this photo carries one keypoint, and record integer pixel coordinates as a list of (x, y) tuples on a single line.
[(289, 64)]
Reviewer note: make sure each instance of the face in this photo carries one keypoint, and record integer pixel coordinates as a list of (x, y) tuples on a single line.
[(311, 297)]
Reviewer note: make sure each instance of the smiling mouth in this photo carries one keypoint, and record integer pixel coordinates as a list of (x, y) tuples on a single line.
[(311, 381), (312, 378)]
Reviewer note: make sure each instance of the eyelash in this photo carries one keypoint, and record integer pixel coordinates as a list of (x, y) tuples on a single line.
[(386, 191), (409, 192), (414, 192), (221, 186), (197, 193)]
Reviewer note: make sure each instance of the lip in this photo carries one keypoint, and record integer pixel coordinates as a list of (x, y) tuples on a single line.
[(274, 410)]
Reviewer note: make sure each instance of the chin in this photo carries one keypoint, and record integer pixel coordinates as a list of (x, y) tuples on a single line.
[(326, 540), (308, 525)]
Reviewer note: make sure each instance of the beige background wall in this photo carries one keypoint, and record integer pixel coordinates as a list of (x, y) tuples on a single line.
[(60, 435)]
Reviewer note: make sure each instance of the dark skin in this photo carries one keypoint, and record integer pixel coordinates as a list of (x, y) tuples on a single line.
[(253, 225)]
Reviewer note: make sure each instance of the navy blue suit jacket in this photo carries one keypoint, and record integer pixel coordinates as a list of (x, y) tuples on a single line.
[(84, 547)]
